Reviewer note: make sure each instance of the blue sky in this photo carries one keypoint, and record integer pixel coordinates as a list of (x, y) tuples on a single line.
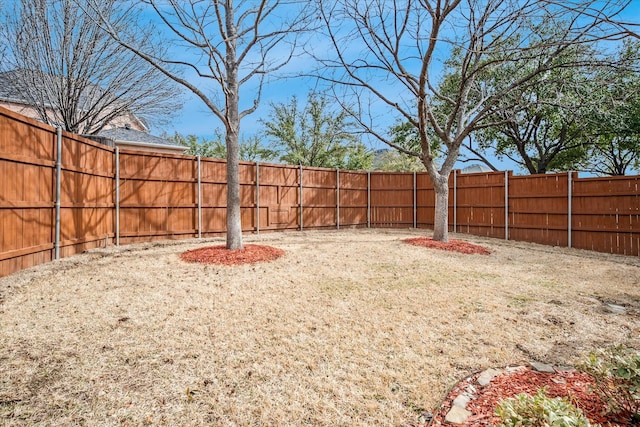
[(196, 119)]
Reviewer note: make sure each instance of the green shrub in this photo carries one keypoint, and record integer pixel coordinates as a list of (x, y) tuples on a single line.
[(616, 371), (539, 411)]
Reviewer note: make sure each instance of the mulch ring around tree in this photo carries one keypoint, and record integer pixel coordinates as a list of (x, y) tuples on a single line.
[(249, 254), (452, 245), (481, 400)]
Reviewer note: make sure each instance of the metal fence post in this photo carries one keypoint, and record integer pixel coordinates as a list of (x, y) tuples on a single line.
[(56, 244), (199, 198), (455, 201), (258, 197), (569, 206), (301, 216), (117, 196), (415, 201), (338, 199), (368, 199), (506, 205)]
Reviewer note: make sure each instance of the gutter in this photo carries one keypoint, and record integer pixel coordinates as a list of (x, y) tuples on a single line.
[(151, 145)]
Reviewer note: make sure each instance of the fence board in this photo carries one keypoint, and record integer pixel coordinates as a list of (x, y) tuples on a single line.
[(87, 217), (538, 209), (425, 201), (606, 214), (27, 161), (158, 195), (279, 197), (353, 199), (391, 199), (483, 216)]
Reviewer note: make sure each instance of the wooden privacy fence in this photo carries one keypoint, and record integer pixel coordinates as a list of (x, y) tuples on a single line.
[(61, 194), (56, 193)]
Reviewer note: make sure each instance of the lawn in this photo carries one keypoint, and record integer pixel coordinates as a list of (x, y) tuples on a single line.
[(350, 327)]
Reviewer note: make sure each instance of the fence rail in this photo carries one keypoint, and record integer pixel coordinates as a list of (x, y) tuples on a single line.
[(111, 196)]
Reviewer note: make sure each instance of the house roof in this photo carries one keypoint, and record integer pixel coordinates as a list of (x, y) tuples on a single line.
[(475, 168), (17, 85), (10, 89), (136, 137)]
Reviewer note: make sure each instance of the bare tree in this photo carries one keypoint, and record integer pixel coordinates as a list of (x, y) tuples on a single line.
[(226, 46), (393, 52), (62, 64)]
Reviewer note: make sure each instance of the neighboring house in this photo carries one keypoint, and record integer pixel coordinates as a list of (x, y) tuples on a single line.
[(134, 139), (16, 97), (125, 131)]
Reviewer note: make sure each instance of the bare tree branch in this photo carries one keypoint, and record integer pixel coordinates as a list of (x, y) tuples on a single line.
[(479, 156), (76, 76)]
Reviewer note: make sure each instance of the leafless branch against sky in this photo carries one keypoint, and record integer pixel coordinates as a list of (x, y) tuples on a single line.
[(73, 73)]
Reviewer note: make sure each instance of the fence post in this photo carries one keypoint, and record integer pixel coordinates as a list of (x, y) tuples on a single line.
[(506, 205), (258, 197), (117, 196), (338, 199), (368, 199), (56, 243), (569, 206), (199, 198), (415, 201), (455, 201), (301, 216)]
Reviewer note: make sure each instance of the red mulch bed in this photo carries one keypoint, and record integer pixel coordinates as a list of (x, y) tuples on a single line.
[(574, 385), (249, 254), (451, 245)]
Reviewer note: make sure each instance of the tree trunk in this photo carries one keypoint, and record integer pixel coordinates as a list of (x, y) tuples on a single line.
[(232, 97), (234, 223), (234, 219), (441, 219)]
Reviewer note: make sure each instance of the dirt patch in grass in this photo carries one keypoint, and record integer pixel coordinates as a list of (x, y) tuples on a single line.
[(249, 254), (452, 245), (349, 327)]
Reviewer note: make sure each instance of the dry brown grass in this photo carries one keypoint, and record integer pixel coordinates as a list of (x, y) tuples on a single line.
[(348, 328)]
